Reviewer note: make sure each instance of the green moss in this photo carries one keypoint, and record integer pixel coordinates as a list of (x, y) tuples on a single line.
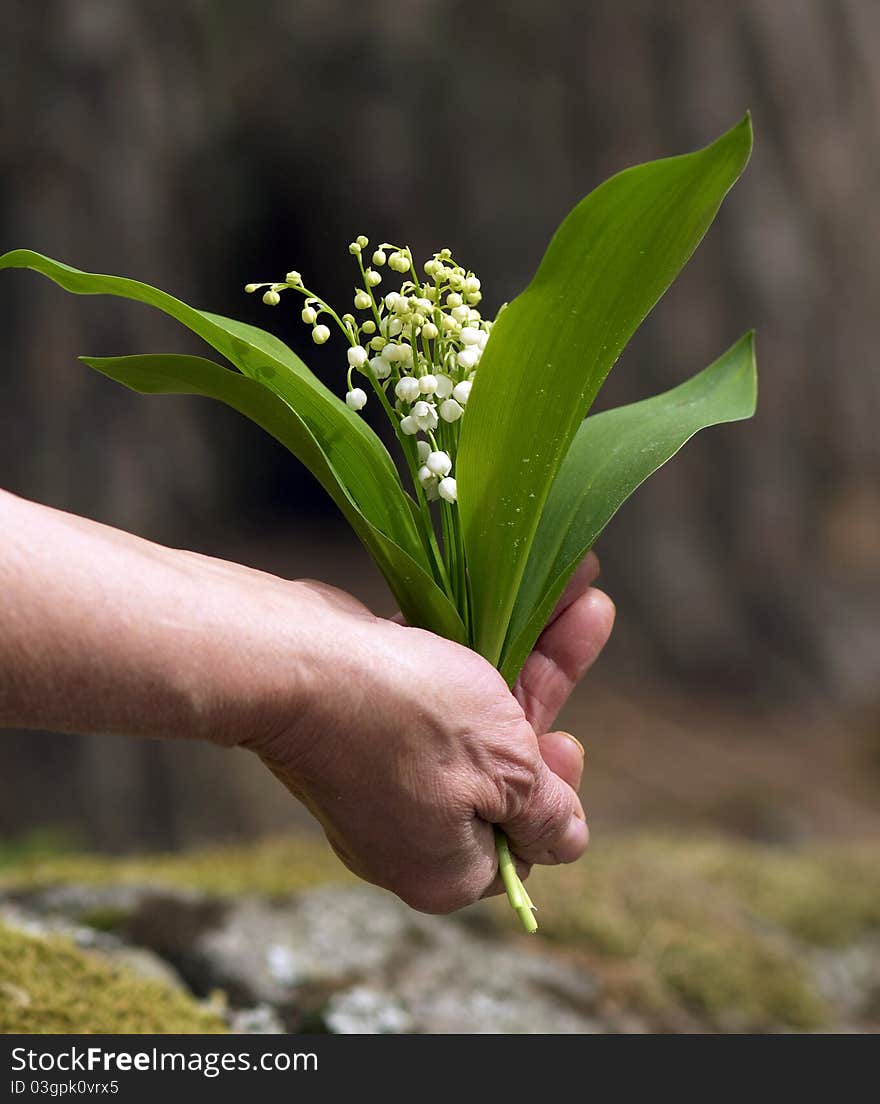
[(49, 986), (273, 867), (712, 928), (686, 931)]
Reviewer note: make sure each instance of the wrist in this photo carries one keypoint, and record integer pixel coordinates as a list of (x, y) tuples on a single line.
[(260, 660)]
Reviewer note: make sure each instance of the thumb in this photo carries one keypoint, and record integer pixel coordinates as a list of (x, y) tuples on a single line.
[(550, 826)]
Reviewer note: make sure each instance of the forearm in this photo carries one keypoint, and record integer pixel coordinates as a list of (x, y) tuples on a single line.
[(104, 632)]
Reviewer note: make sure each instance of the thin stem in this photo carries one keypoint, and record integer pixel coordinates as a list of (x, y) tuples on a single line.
[(516, 891)]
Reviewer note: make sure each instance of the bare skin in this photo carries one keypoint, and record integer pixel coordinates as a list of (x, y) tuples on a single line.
[(406, 747)]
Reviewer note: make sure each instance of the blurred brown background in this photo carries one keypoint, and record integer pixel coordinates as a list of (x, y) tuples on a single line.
[(198, 145)]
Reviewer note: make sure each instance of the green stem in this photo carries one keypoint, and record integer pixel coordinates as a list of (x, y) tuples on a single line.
[(516, 891)]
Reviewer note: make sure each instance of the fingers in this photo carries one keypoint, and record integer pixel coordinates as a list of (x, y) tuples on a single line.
[(585, 575), (538, 811), (564, 755), (566, 649)]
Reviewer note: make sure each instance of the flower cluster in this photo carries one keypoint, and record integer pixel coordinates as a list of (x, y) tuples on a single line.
[(418, 348)]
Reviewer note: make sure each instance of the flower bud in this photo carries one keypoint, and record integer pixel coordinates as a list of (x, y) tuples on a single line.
[(294, 279), (251, 288), (320, 334), (357, 356), (429, 331), (471, 285), (362, 300), (462, 391), (379, 258), (450, 410), (271, 298), (362, 241), (447, 489), (309, 314), (407, 389), (372, 278), (439, 463), (453, 299), (356, 398)]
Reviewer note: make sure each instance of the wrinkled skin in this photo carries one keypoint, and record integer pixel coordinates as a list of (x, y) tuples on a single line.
[(405, 746)]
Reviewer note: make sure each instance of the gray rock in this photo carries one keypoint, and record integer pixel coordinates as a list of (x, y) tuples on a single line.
[(260, 1020), (363, 962), (348, 959)]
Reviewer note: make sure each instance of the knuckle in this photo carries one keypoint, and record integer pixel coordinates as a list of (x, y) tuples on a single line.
[(551, 817), (513, 785)]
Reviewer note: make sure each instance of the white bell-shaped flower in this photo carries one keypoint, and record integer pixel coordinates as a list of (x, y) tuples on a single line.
[(425, 415), (447, 489), (424, 451), (469, 336), (462, 391), (380, 368), (426, 476), (450, 410), (356, 398), (357, 356), (468, 358), (428, 384), (439, 463), (409, 426), (444, 387), (407, 389), (320, 334)]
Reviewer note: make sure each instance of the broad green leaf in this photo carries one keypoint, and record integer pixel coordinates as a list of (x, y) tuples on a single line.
[(550, 350), (612, 454), (353, 454), (421, 600)]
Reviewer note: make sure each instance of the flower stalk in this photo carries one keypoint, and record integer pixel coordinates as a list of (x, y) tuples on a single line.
[(418, 349)]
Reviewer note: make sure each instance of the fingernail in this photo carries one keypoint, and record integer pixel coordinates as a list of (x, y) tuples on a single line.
[(576, 743)]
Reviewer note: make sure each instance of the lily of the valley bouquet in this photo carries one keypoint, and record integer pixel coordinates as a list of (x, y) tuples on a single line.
[(504, 483)]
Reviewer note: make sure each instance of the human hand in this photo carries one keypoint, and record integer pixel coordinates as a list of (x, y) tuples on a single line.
[(408, 747)]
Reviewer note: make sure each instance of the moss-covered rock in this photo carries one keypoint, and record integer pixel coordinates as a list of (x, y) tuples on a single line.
[(274, 867), (684, 933), (50, 986), (715, 930)]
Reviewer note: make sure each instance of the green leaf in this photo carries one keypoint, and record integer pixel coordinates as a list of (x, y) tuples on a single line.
[(356, 458), (421, 600), (613, 454), (550, 350)]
